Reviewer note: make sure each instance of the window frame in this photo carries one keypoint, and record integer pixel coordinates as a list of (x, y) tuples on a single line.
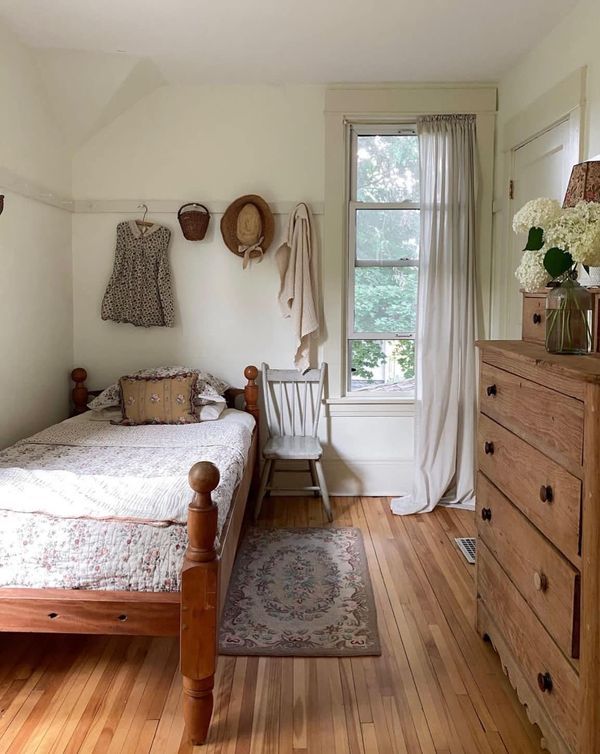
[(356, 130)]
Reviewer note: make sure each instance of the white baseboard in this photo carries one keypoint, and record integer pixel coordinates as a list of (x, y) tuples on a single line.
[(353, 477)]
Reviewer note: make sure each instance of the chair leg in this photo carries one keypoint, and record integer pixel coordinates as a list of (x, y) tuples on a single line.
[(324, 493), (270, 479), (264, 478), (313, 476)]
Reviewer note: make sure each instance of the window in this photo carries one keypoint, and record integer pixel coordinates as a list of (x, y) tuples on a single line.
[(383, 259)]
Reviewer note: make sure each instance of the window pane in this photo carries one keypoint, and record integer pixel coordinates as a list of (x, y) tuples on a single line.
[(385, 299), (387, 169), (383, 366), (383, 234)]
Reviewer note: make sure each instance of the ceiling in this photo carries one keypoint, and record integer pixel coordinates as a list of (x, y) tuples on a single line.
[(313, 41)]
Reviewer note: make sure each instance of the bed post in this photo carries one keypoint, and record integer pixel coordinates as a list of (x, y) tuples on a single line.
[(199, 604), (79, 393), (251, 391), (251, 400)]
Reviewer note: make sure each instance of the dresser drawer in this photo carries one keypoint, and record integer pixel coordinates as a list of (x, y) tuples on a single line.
[(534, 319), (537, 655), (546, 580), (550, 420), (543, 490)]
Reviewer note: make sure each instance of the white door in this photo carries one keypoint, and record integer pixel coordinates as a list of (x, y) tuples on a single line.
[(540, 168)]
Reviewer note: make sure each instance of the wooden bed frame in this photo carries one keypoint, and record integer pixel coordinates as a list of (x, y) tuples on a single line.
[(193, 613)]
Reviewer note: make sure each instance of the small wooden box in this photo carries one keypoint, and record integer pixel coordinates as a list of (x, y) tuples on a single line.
[(533, 327)]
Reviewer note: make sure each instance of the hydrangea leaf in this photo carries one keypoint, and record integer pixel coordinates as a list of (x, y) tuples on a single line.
[(557, 261), (535, 239)]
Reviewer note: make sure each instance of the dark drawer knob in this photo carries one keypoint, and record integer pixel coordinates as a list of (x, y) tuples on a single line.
[(491, 390), (540, 581), (545, 682), (488, 448), (486, 514), (537, 318), (546, 493)]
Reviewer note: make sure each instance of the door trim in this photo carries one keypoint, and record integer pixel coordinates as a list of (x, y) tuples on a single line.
[(564, 102)]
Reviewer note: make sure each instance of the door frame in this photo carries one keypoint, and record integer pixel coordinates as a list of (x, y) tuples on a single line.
[(564, 102)]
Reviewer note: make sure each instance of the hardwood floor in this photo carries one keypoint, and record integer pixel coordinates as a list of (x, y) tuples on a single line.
[(436, 689)]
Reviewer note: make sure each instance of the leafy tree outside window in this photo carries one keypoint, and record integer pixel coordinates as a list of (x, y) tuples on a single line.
[(384, 256)]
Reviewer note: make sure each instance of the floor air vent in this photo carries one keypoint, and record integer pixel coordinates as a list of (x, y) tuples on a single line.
[(468, 547)]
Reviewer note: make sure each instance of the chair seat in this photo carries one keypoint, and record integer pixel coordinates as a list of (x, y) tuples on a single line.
[(293, 448)]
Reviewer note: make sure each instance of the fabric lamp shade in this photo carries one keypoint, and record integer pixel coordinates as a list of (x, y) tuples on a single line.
[(584, 184)]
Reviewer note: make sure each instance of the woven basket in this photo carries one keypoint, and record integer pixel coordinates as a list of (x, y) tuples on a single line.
[(194, 221)]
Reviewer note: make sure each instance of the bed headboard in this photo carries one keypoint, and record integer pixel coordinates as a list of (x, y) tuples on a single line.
[(80, 395)]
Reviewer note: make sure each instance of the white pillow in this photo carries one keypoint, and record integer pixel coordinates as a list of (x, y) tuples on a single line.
[(211, 411), (105, 415)]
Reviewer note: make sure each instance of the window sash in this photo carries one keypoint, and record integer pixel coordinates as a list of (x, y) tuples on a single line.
[(368, 392), (353, 263)]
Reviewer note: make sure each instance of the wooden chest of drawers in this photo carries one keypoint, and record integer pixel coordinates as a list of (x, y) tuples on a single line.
[(538, 512)]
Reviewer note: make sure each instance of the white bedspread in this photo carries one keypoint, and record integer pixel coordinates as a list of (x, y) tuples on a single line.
[(78, 536)]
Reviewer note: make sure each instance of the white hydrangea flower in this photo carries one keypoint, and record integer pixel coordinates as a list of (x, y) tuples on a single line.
[(531, 273), (538, 213), (586, 249), (577, 230)]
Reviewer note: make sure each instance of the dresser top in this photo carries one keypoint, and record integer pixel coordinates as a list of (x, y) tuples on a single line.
[(582, 368)]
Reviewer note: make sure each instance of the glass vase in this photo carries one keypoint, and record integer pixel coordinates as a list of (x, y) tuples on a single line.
[(568, 315)]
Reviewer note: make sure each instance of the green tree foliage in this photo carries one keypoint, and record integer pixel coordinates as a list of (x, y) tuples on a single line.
[(387, 169), (385, 299), (366, 356), (404, 353)]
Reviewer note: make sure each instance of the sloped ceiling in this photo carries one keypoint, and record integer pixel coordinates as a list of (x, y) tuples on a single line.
[(87, 90)]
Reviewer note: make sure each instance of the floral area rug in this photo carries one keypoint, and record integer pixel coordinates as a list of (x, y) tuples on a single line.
[(300, 592)]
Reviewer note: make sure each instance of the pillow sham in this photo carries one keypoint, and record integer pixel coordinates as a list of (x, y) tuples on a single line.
[(158, 400), (209, 389)]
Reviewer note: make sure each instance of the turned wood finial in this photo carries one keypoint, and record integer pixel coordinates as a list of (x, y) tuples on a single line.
[(204, 477), (251, 373), (251, 391), (202, 512), (79, 375), (80, 391)]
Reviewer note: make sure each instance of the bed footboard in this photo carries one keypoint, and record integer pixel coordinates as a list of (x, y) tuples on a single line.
[(199, 603)]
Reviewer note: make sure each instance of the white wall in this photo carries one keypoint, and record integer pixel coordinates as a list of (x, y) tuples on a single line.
[(209, 145), (35, 248), (570, 46), (212, 144)]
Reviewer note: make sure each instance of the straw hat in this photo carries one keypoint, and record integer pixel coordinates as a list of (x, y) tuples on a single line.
[(247, 227)]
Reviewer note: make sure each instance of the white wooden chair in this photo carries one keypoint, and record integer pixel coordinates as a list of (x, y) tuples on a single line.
[(293, 407)]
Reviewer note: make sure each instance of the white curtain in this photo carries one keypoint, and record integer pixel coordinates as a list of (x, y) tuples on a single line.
[(446, 400)]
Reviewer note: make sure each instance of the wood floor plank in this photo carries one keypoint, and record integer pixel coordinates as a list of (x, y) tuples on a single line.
[(437, 688)]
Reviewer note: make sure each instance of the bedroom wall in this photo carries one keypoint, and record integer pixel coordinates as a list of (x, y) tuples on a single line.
[(36, 337), (571, 45), (212, 144)]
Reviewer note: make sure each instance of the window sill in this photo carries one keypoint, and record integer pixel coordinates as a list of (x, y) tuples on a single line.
[(370, 406)]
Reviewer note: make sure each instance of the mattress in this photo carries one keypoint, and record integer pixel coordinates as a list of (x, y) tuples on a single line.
[(77, 501)]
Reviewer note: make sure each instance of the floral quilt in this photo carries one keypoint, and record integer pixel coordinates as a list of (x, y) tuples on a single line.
[(69, 548)]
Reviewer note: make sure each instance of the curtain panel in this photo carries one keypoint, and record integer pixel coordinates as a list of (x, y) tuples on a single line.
[(446, 399)]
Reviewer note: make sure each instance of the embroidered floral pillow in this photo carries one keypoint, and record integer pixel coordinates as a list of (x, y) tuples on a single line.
[(158, 400), (209, 389)]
